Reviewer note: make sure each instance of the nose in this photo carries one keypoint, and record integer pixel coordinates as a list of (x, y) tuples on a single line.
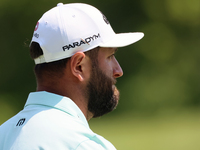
[(117, 70)]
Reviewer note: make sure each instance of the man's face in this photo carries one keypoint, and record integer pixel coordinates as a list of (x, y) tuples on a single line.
[(102, 92)]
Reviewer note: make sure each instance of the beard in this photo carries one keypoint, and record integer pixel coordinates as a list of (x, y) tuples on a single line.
[(103, 96)]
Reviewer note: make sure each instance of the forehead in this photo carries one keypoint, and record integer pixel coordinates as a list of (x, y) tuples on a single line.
[(107, 50)]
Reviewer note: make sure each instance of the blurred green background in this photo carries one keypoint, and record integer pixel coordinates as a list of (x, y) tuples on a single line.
[(160, 97)]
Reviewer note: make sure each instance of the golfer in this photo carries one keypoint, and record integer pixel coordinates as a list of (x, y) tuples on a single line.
[(73, 46)]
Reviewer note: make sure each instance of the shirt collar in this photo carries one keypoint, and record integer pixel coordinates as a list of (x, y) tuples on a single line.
[(62, 103)]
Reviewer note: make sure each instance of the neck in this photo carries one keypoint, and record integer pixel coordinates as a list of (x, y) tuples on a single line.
[(73, 92)]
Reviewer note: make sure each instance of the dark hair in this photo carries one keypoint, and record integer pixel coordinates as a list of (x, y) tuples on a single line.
[(51, 69), (35, 50), (56, 68)]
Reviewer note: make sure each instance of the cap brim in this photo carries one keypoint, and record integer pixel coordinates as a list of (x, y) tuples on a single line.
[(123, 39)]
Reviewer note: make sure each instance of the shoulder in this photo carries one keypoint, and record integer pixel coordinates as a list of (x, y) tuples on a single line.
[(50, 128), (97, 144)]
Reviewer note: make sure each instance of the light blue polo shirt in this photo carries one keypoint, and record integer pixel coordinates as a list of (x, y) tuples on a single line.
[(50, 122)]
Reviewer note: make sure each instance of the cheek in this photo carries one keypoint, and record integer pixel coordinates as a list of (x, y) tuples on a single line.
[(106, 67)]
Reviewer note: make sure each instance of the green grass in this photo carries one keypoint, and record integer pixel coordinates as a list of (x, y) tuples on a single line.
[(161, 132)]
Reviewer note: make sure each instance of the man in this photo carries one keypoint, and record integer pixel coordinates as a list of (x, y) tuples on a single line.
[(73, 46)]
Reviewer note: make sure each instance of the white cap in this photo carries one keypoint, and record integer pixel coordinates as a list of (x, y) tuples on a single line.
[(70, 28)]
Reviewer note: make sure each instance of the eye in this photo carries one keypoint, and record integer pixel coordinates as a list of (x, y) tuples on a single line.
[(111, 56)]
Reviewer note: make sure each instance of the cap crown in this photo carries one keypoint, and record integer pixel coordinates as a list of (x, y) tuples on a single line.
[(67, 29)]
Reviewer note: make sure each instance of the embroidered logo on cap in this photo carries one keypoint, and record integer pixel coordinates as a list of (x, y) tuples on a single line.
[(79, 43), (37, 25), (105, 19)]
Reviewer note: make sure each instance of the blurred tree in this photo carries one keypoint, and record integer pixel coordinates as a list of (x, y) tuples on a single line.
[(160, 71)]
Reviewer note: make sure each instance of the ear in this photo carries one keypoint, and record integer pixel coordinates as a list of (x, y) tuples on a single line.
[(77, 65)]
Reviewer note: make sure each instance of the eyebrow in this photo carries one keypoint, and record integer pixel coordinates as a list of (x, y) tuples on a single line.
[(115, 50)]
